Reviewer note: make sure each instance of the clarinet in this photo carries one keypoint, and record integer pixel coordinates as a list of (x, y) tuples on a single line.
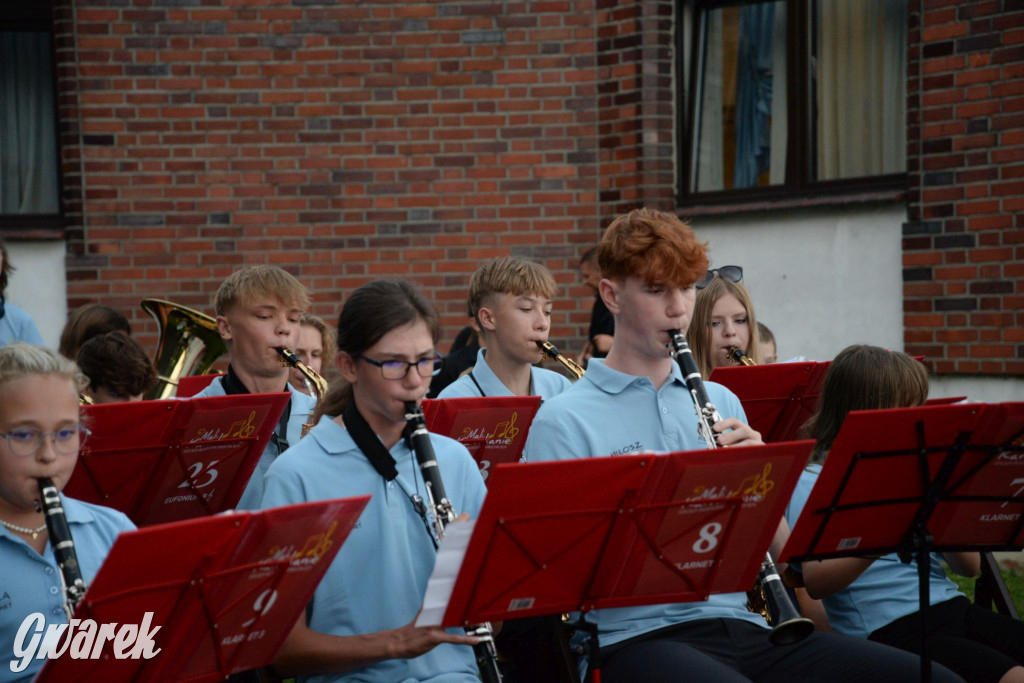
[(71, 580), (788, 626), (485, 651)]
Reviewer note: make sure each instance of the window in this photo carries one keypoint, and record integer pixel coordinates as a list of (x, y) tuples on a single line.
[(793, 96), (28, 128)]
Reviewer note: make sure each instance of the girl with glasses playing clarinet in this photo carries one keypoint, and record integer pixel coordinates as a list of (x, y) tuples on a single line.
[(40, 436), (359, 625), (723, 330)]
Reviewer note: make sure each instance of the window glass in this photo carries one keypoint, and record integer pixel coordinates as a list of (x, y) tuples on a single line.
[(847, 75), (28, 146), (741, 131), (859, 70)]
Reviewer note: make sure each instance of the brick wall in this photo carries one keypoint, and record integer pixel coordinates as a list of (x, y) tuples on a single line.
[(964, 244), (347, 140), (340, 140)]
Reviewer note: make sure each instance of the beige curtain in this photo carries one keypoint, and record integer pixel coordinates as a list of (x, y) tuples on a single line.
[(861, 88)]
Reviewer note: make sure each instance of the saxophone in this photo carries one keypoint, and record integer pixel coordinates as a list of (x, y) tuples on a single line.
[(740, 356), (316, 385), (788, 626), (71, 580), (568, 363)]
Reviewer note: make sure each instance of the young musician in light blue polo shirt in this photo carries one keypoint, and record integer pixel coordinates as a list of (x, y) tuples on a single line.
[(636, 400), (511, 300), (877, 598), (258, 311), (359, 626), (40, 435)]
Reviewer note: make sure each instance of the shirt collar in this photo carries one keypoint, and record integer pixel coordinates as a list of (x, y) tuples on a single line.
[(614, 382)]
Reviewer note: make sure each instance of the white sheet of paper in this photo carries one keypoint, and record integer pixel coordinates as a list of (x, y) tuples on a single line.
[(446, 569)]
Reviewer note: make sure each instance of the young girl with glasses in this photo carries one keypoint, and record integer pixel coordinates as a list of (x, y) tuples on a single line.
[(360, 622), (40, 436), (723, 319)]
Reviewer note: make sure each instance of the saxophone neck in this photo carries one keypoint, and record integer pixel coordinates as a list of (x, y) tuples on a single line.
[(314, 382), (740, 356), (569, 364)]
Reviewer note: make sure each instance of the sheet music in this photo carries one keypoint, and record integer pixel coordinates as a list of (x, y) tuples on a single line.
[(446, 570)]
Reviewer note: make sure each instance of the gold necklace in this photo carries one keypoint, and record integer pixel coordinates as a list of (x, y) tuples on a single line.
[(24, 530)]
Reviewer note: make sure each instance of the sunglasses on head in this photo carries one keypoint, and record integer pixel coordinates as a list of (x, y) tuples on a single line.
[(730, 273)]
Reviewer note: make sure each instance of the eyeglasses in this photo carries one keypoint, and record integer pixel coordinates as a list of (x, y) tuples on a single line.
[(398, 369), (26, 441), (730, 273)]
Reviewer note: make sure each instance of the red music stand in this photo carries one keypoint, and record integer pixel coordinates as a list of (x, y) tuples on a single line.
[(596, 533), (492, 428), (916, 481), (190, 385), (945, 400), (224, 591), (167, 460), (778, 397)]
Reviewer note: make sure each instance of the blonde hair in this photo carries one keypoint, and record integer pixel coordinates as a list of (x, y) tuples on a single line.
[(20, 359), (508, 275), (698, 335), (326, 334), (260, 282)]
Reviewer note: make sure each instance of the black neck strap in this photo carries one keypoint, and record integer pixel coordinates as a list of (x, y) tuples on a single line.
[(478, 387), (368, 442)]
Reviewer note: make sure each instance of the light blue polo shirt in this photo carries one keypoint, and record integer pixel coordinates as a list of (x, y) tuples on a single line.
[(379, 577), (30, 582), (543, 382), (886, 591), (18, 325), (611, 413), (301, 406)]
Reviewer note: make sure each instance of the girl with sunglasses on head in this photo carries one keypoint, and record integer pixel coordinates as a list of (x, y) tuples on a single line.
[(40, 436), (723, 321), (877, 597), (359, 625)]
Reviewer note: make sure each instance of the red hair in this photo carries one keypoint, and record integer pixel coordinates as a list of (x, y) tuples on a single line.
[(654, 246)]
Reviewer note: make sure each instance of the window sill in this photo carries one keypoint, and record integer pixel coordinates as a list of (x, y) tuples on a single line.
[(18, 228), (763, 204)]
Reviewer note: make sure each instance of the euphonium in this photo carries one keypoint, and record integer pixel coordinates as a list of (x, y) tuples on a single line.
[(485, 651), (568, 363), (315, 383), (189, 344), (71, 580), (788, 626), (740, 356)]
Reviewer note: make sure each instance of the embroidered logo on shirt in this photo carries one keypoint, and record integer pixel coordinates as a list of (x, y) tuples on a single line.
[(634, 447)]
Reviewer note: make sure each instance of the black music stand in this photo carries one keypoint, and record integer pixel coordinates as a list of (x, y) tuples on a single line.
[(916, 481), (595, 533)]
